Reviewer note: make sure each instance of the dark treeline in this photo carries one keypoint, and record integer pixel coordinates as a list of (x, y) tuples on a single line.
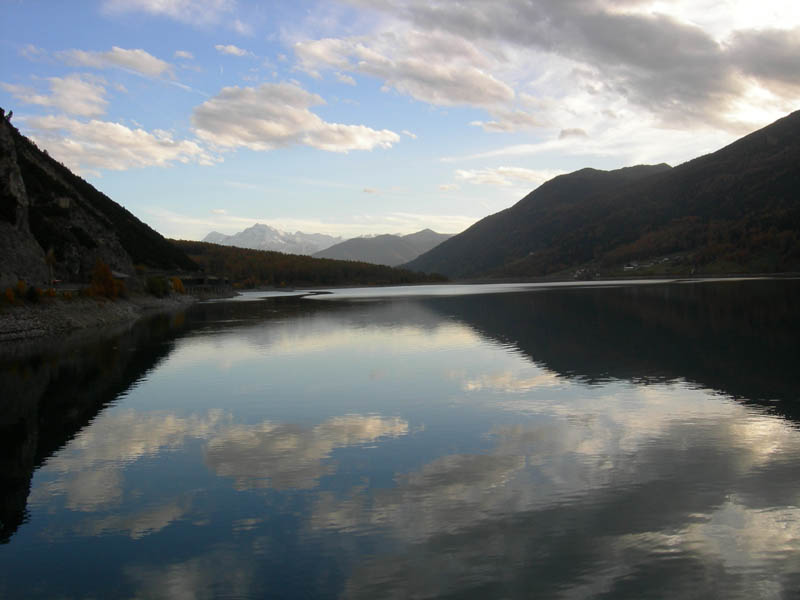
[(253, 268)]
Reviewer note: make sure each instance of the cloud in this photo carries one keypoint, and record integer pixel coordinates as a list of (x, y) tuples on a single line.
[(346, 79), (275, 115), (74, 94), (449, 187), (680, 64), (770, 56), (94, 145), (241, 27), (195, 12), (184, 54), (435, 67), (136, 60), (231, 50), (290, 457), (574, 132), (32, 52), (509, 120), (505, 175), (408, 133), (198, 578), (368, 190), (90, 470), (139, 524), (583, 471)]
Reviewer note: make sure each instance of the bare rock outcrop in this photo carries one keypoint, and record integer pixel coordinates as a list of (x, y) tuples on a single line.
[(21, 257)]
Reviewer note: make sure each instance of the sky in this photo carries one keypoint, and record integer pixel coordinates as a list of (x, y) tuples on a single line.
[(381, 116)]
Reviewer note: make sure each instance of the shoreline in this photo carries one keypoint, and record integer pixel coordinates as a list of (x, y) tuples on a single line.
[(58, 317), (52, 318)]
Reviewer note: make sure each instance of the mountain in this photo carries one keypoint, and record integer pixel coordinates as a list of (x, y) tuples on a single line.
[(44, 207), (264, 237), (736, 210), (385, 249)]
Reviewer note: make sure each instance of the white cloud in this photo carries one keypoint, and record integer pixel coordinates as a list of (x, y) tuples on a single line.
[(275, 115), (136, 60), (509, 120), (74, 94), (410, 134), (90, 469), (241, 27), (196, 12), (32, 52), (94, 145), (666, 65), (287, 456), (433, 67), (449, 187), (184, 54), (346, 79), (231, 50), (506, 175)]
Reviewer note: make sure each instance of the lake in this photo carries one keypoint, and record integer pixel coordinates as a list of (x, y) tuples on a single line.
[(507, 441)]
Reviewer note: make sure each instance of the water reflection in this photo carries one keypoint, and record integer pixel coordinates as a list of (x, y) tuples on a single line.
[(737, 337), (287, 456), (623, 442), (49, 393), (563, 511)]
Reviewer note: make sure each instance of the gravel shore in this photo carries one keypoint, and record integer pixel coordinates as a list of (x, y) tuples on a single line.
[(57, 317)]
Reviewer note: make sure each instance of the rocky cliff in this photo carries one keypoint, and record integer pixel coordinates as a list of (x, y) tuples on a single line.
[(52, 219)]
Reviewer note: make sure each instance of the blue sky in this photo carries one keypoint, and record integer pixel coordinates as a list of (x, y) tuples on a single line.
[(382, 116)]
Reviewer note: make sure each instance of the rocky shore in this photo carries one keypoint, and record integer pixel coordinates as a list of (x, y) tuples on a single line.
[(58, 317)]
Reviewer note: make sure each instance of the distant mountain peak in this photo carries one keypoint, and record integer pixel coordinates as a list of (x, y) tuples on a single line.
[(265, 237)]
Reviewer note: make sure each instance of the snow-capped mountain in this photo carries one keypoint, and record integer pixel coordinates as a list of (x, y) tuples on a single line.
[(264, 237)]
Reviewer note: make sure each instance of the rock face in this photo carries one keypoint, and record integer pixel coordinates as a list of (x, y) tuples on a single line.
[(52, 219), (20, 256)]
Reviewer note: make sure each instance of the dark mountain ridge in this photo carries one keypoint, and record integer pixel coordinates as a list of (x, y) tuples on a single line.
[(385, 249), (44, 207), (735, 210)]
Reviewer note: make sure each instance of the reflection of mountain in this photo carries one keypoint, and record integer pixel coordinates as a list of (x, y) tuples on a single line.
[(736, 337), (47, 399)]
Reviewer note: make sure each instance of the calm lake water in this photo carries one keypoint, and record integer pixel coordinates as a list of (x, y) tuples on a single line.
[(509, 441)]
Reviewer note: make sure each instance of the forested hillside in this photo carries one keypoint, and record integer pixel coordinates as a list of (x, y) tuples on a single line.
[(252, 268), (734, 211)]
